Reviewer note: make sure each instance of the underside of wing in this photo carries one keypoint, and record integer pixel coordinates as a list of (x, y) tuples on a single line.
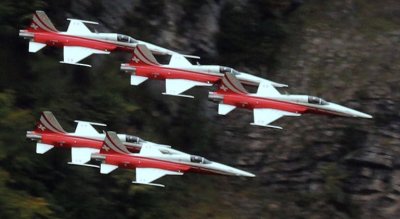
[(178, 86), (74, 54), (263, 117), (148, 175)]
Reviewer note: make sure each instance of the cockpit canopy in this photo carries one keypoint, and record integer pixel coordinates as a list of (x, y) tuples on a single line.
[(125, 39), (133, 139), (316, 100), (198, 159), (223, 69)]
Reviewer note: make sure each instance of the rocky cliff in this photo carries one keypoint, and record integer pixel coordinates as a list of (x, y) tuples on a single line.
[(345, 51)]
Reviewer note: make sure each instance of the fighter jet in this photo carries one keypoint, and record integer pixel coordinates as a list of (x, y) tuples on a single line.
[(269, 105), (83, 142), (78, 41), (180, 75), (152, 163)]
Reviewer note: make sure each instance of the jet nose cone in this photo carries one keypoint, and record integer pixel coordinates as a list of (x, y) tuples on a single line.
[(227, 170), (238, 172), (345, 111), (364, 115), (247, 174), (358, 114)]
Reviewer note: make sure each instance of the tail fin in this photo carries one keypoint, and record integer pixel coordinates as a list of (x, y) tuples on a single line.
[(230, 84), (113, 145), (48, 123), (41, 23), (143, 56)]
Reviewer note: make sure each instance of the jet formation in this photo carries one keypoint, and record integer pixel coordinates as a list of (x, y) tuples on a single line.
[(110, 150)]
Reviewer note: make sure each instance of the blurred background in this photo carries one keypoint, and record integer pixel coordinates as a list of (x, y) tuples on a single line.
[(346, 51)]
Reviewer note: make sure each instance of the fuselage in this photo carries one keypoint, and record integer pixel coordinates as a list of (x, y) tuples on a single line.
[(69, 140), (178, 162), (210, 74), (300, 104), (162, 73), (99, 41)]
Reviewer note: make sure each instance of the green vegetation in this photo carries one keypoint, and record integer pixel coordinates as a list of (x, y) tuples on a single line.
[(252, 34)]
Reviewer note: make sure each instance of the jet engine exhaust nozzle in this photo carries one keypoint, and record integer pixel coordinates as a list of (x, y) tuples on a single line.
[(33, 136), (128, 68), (215, 97)]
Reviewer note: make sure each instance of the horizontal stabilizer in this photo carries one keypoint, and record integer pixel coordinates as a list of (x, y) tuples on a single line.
[(107, 168), (148, 175), (136, 80), (34, 46), (224, 109), (74, 54), (82, 155), (43, 148), (178, 86)]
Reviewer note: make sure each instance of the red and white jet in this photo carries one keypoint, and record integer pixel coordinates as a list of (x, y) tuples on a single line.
[(269, 105), (83, 142), (180, 75), (78, 41), (152, 162)]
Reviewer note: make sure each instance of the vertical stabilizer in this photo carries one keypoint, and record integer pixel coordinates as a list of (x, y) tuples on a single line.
[(113, 145), (143, 56), (48, 123), (40, 22), (230, 84)]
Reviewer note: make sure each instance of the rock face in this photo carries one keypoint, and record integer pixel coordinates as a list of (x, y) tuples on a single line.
[(345, 51)]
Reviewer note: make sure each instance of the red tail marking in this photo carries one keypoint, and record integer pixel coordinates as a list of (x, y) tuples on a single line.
[(41, 23), (229, 84), (143, 56), (48, 123), (112, 145)]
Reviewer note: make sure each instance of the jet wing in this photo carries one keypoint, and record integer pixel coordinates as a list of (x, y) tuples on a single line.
[(149, 149), (178, 60), (266, 89), (86, 128), (148, 175), (175, 87), (78, 27), (74, 54), (263, 117)]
